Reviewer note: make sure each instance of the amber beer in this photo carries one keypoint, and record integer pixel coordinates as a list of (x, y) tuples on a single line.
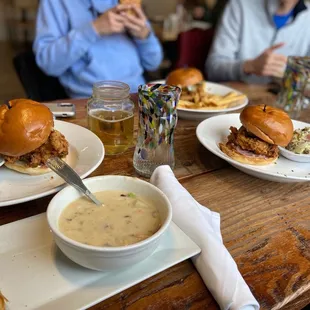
[(114, 128)]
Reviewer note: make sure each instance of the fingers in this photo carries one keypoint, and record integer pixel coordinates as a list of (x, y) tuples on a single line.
[(132, 26), (279, 57), (277, 60), (117, 18), (134, 22), (118, 27), (139, 12), (273, 70), (117, 22), (276, 46), (122, 7), (134, 19)]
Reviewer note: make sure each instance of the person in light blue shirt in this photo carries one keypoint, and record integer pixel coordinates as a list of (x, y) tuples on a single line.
[(85, 41), (255, 37)]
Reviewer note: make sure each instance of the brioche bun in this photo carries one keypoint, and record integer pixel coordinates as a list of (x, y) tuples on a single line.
[(24, 127), (243, 158), (135, 2), (22, 167), (270, 124), (131, 2), (184, 77)]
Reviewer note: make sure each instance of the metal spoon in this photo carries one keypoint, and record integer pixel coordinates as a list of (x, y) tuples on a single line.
[(71, 177), (1, 161)]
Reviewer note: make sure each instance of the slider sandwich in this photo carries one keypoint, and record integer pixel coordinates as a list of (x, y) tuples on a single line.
[(256, 142), (27, 137)]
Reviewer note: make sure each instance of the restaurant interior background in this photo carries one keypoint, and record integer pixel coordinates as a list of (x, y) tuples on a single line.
[(176, 22)]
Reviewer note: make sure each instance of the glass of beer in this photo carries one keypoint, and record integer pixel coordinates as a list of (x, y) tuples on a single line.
[(111, 115)]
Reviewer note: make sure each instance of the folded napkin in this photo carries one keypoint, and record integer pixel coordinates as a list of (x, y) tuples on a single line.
[(214, 264)]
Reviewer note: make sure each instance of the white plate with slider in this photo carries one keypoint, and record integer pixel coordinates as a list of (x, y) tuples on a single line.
[(213, 88), (86, 153), (215, 130), (34, 274)]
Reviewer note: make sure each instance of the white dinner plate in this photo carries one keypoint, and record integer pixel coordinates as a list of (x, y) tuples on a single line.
[(86, 153), (213, 88), (216, 129), (34, 274)]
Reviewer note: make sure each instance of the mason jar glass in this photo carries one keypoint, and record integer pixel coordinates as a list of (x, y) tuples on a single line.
[(110, 113)]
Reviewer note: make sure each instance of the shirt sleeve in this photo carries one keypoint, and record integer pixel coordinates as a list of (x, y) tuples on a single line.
[(56, 46), (222, 63), (150, 51)]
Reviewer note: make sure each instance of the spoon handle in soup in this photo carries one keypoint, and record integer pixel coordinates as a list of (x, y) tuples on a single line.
[(71, 177)]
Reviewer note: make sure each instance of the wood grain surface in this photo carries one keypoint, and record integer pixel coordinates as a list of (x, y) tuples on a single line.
[(265, 226)]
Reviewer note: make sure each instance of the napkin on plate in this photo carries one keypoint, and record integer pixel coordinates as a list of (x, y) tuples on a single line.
[(214, 264)]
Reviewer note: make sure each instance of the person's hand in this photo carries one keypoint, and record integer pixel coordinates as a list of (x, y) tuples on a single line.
[(267, 64), (110, 21), (136, 23)]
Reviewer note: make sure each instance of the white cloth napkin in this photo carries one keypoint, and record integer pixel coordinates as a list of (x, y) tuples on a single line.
[(214, 264)]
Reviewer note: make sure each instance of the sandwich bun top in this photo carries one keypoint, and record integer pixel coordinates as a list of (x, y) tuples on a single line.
[(270, 124), (131, 2), (24, 126), (184, 77)]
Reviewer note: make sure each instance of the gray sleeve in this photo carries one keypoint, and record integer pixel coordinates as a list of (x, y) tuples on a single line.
[(223, 63)]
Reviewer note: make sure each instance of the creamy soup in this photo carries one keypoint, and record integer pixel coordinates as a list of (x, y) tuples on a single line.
[(124, 219)]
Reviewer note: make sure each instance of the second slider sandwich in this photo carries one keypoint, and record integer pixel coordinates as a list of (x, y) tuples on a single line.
[(27, 137), (256, 142)]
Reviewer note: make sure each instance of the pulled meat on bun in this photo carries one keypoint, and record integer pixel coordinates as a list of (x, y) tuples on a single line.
[(27, 137), (256, 141)]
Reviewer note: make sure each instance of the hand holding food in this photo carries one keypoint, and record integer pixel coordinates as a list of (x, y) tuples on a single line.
[(135, 22), (267, 64), (256, 141), (111, 21), (27, 136), (194, 91), (131, 4)]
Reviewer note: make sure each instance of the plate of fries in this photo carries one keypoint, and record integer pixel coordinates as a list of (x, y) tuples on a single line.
[(208, 99)]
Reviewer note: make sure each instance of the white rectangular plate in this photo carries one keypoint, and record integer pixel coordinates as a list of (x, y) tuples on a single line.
[(34, 274)]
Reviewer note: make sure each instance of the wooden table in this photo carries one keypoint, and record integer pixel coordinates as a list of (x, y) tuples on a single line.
[(265, 226)]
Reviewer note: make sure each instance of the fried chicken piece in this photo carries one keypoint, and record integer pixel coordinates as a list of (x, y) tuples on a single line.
[(56, 145), (249, 142)]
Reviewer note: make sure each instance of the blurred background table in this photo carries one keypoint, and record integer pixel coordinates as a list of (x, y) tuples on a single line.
[(265, 226)]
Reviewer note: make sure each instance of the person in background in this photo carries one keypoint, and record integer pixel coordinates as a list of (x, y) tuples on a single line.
[(255, 37), (206, 10), (85, 41)]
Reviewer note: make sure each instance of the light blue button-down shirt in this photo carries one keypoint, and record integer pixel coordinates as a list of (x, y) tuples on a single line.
[(68, 47)]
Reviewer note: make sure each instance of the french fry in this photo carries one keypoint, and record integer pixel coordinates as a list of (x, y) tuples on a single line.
[(196, 98), (230, 100), (3, 300), (187, 97)]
